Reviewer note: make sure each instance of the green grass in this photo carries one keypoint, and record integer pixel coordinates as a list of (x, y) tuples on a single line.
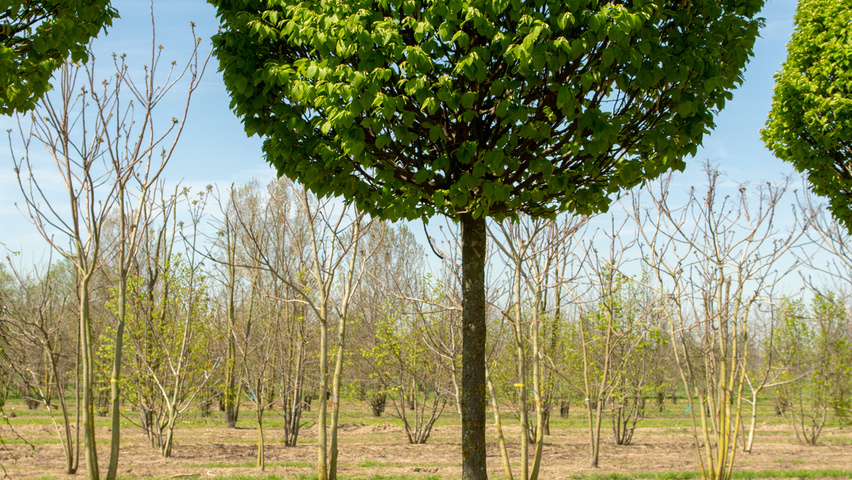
[(372, 477), (841, 440), (301, 476), (372, 463), (741, 474), (251, 464), (737, 474)]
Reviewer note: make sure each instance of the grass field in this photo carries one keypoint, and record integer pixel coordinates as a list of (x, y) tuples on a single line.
[(377, 449)]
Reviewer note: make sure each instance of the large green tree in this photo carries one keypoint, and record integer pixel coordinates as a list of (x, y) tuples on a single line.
[(36, 37), (810, 124), (480, 108)]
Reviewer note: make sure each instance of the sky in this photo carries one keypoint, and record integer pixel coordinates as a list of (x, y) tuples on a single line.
[(214, 149)]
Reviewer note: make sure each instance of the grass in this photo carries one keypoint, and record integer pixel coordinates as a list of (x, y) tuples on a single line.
[(737, 474), (742, 474), (372, 463), (841, 440), (251, 464), (373, 477), (671, 420)]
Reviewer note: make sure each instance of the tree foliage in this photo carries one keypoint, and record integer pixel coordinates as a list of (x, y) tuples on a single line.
[(36, 37), (413, 108), (810, 124)]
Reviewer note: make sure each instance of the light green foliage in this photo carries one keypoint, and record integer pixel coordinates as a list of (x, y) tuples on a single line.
[(835, 352), (36, 37), (810, 124), (619, 327), (169, 326), (814, 352), (409, 372), (415, 108)]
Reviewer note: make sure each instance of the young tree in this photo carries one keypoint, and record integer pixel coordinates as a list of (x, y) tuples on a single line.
[(810, 123), (409, 372), (35, 313), (475, 109), (331, 256), (37, 37), (530, 247), (713, 260), (271, 250), (611, 334), (78, 155), (815, 352), (115, 163), (139, 149), (170, 327)]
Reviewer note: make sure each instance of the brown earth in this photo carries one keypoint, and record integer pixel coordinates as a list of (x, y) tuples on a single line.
[(382, 449)]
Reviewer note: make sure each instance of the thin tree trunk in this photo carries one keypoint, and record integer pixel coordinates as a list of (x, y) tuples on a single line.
[(504, 454), (537, 387), (335, 396), (230, 400), (88, 380), (322, 440), (474, 235), (522, 373), (114, 391), (261, 448)]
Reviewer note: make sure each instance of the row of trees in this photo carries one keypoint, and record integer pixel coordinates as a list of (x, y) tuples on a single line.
[(497, 111), (255, 297)]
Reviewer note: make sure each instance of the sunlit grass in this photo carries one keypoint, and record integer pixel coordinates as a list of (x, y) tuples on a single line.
[(737, 474)]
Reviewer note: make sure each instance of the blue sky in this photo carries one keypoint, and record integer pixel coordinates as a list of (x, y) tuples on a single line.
[(214, 149)]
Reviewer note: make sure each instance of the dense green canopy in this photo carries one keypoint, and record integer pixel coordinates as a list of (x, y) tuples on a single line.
[(810, 124), (480, 108), (414, 108), (36, 37)]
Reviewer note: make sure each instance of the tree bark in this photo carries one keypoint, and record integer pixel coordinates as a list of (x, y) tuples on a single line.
[(88, 379), (115, 376), (474, 234)]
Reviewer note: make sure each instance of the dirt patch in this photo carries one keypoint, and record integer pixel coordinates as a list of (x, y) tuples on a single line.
[(382, 448)]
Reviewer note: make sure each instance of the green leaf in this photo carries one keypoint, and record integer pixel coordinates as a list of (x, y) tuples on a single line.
[(382, 141)]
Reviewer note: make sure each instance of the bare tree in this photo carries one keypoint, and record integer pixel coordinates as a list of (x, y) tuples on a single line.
[(36, 313), (611, 333), (333, 258), (713, 260), (78, 155), (105, 153), (138, 153)]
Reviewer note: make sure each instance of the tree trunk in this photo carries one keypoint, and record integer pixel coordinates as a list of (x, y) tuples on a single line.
[(114, 392), (335, 396), (231, 392), (88, 380), (261, 450), (520, 355), (474, 235), (322, 440), (753, 424), (495, 407)]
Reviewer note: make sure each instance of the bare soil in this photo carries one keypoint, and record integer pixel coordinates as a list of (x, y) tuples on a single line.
[(380, 447)]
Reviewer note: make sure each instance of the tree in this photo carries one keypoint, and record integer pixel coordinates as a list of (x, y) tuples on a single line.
[(480, 109), (530, 247), (37, 37), (815, 353), (713, 261), (169, 326), (35, 313), (114, 162), (809, 124), (331, 256)]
